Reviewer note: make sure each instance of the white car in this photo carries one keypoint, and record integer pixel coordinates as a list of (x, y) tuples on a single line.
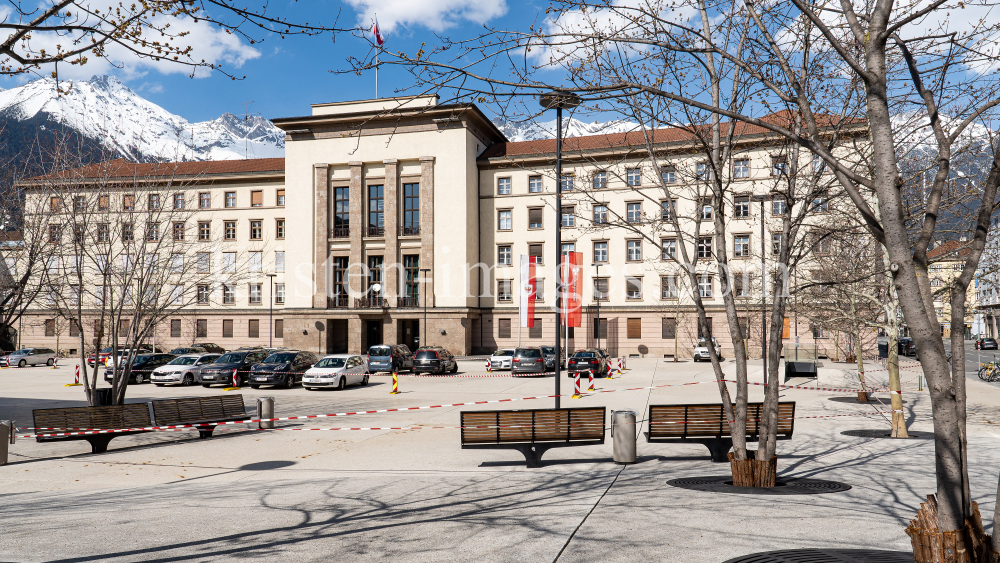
[(338, 370), (701, 350), (182, 369), (501, 359)]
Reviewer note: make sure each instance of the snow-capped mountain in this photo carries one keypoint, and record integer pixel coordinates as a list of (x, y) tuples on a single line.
[(913, 131), (533, 131), (109, 113)]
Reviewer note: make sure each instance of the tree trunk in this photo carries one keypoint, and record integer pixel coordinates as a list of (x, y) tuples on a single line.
[(863, 393), (895, 390)]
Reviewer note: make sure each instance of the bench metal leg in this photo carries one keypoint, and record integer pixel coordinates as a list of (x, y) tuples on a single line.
[(533, 455), (99, 444), (719, 447), (205, 431)]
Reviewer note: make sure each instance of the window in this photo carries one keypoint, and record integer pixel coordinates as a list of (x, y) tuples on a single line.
[(340, 277), (229, 230), (229, 262), (535, 252), (152, 231), (503, 186), (204, 200), (375, 276), (376, 210), (253, 328), (103, 232), (128, 232), (633, 176), (178, 231), (201, 328), (600, 328), (703, 172), (821, 245), (701, 332), (152, 263), (600, 180), (535, 218), (411, 268), (175, 328), (503, 328), (741, 246), (779, 166), (204, 262), (279, 294), (668, 249), (668, 174), (128, 203), (154, 201), (411, 209), (705, 247), (255, 294), (741, 206), (504, 220), (668, 328), (779, 206), (600, 289), (177, 295), (230, 199), (102, 203), (633, 212), (504, 290), (742, 283), (52, 265), (776, 244), (633, 288), (567, 247), (74, 297), (55, 233), (534, 184), (204, 294), (256, 198), (821, 203), (600, 214), (741, 168), (204, 230), (705, 286), (634, 250), (279, 328), (279, 261), (55, 204), (818, 164), (706, 210), (568, 182), (539, 290), (178, 201), (256, 230), (50, 327), (78, 234), (634, 328), (535, 331), (256, 257), (228, 294), (341, 211), (818, 331), (227, 328), (279, 199), (667, 209), (568, 217), (600, 252), (279, 229), (503, 255), (668, 287)]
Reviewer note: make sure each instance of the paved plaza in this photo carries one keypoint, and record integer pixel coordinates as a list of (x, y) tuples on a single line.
[(415, 495)]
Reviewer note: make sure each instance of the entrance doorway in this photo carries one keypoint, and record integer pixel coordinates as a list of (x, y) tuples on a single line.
[(373, 331), (336, 336), (409, 333)]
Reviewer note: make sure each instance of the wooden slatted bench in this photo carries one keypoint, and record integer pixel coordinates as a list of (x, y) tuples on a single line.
[(199, 410), (533, 431), (706, 424)]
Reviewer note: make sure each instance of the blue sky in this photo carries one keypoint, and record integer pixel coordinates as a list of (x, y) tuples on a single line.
[(283, 76)]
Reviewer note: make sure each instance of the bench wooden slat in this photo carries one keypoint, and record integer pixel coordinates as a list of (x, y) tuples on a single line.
[(198, 409), (533, 426), (132, 415), (709, 421)]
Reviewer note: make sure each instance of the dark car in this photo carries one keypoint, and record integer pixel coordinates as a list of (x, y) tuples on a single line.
[(550, 357), (383, 357), (986, 344), (190, 350), (212, 348), (221, 370), (434, 359), (142, 367), (282, 369), (589, 359), (907, 347), (529, 360)]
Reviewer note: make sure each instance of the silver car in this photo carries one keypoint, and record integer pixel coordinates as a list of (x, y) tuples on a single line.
[(182, 369), (31, 357), (528, 360), (501, 359)]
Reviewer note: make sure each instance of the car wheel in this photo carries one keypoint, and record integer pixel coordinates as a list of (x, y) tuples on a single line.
[(22, 363), (139, 378), (255, 386), (205, 385), (364, 380), (188, 380), (342, 383), (289, 381), (454, 368), (50, 362)]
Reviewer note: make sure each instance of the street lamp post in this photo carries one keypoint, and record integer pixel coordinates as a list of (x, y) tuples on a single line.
[(559, 101), (423, 274), (763, 294), (597, 295), (270, 311)]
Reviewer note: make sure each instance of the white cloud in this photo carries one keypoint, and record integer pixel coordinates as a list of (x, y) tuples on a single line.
[(436, 15)]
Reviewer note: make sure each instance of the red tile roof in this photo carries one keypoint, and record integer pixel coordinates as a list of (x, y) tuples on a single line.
[(637, 139), (121, 168), (956, 248)]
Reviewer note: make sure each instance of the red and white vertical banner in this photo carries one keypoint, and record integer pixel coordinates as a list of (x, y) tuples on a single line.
[(526, 290), (571, 299)]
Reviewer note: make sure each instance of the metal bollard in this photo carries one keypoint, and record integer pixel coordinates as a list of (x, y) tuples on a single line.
[(265, 409), (6, 438), (623, 436)]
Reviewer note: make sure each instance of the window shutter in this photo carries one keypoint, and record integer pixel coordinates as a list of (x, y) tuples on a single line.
[(227, 329), (256, 199), (669, 329), (279, 328), (534, 216), (635, 328), (503, 328), (536, 331), (175, 328), (254, 331)]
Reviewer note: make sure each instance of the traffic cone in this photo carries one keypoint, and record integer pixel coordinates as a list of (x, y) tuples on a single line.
[(55, 363), (236, 381), (76, 378), (395, 384), (576, 387), (590, 374), (489, 366)]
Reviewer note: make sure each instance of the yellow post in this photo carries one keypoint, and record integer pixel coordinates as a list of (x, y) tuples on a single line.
[(395, 384)]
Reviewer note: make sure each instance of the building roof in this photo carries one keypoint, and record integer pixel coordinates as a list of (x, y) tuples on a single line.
[(949, 250), (121, 168), (638, 139)]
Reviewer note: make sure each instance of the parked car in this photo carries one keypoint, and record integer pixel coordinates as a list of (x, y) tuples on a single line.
[(588, 359), (550, 357), (434, 359), (101, 357), (501, 359), (189, 350), (283, 369), (907, 347), (209, 347), (31, 357), (338, 370), (182, 369), (221, 370), (986, 344), (384, 357), (142, 366), (528, 360), (701, 350)]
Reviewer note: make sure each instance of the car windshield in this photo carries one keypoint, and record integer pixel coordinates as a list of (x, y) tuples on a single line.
[(182, 361), (279, 359), (379, 351), (427, 355), (548, 349), (139, 360), (230, 359), (331, 363), (503, 353), (528, 353), (585, 355)]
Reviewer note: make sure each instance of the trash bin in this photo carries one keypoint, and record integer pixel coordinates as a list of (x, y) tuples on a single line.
[(102, 396), (265, 409), (623, 436), (6, 438)]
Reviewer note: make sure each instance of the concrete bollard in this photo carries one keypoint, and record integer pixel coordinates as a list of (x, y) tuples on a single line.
[(265, 409)]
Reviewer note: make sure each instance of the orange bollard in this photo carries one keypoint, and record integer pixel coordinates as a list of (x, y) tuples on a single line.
[(76, 378), (590, 374), (395, 384), (576, 387), (236, 382)]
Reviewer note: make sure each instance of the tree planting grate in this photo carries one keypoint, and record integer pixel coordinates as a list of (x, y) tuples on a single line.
[(826, 556), (783, 486), (883, 434)]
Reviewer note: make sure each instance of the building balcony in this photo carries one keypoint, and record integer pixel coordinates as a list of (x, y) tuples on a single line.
[(374, 231), (339, 302), (409, 231), (340, 232), (410, 302), (371, 303)]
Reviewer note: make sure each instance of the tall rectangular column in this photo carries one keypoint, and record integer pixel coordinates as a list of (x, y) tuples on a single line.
[(321, 246), (427, 224), (359, 226), (392, 221)]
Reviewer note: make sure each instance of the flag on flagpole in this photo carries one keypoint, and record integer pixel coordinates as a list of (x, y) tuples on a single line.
[(378, 33), (571, 302), (526, 290)]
